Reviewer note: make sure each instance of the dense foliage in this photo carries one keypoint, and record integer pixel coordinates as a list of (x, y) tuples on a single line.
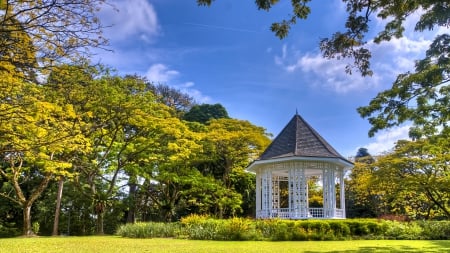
[(122, 153), (53, 29), (240, 229)]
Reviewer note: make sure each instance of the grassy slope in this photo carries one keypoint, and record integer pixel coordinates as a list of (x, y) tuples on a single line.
[(125, 245)]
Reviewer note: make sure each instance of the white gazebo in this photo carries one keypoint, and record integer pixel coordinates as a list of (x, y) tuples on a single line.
[(296, 155)]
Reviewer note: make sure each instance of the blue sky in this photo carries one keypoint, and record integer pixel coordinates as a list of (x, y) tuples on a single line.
[(227, 54)]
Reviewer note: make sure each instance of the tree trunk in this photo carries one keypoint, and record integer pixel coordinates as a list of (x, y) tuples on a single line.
[(58, 206), (27, 231), (100, 230), (131, 216)]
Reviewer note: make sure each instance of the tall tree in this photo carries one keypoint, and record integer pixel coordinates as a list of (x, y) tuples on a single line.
[(173, 98), (58, 29), (363, 198), (206, 112), (126, 121), (228, 146), (363, 155), (66, 86), (232, 144), (419, 173), (35, 135)]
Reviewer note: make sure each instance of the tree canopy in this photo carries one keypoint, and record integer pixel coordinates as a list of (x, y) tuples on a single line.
[(421, 97), (55, 29), (205, 112), (352, 42), (120, 147)]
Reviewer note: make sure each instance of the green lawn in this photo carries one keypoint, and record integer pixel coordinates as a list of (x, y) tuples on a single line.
[(126, 245)]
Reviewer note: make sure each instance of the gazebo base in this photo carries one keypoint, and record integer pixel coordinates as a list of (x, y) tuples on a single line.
[(304, 213)]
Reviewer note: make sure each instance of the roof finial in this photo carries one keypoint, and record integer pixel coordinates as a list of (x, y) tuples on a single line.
[(296, 111)]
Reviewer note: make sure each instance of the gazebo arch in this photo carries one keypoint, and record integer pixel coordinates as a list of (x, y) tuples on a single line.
[(297, 154)]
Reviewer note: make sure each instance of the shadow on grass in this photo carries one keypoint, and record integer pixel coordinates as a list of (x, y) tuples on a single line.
[(444, 245), (438, 246)]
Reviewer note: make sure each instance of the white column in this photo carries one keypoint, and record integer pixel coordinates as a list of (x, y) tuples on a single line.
[(266, 192), (342, 185), (258, 193)]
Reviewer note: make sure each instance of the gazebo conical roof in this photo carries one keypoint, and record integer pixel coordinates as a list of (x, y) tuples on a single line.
[(299, 140)]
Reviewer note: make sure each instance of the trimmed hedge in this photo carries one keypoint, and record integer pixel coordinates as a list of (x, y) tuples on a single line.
[(237, 229)]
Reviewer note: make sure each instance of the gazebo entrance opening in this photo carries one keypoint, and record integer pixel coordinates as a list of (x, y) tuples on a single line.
[(285, 193)]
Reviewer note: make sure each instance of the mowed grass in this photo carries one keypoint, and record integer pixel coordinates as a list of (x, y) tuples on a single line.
[(127, 245)]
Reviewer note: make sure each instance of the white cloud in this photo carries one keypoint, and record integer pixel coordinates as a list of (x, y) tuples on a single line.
[(130, 18), (197, 95), (160, 73), (389, 59), (328, 74), (385, 140)]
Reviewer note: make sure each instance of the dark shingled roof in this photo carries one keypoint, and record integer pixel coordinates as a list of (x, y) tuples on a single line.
[(298, 138)]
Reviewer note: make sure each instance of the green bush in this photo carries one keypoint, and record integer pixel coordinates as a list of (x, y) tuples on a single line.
[(198, 227), (340, 229), (8, 231), (403, 230), (299, 233), (35, 227), (281, 232), (435, 230), (238, 229), (266, 228), (358, 228), (149, 230)]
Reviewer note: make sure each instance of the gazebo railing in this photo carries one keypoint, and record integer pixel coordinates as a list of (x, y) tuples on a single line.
[(302, 213)]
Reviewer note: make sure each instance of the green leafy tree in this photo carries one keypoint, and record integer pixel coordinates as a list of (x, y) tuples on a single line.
[(173, 98), (168, 172), (421, 97), (206, 112), (57, 29), (232, 144), (130, 129), (362, 196), (35, 137), (417, 173), (17, 51), (229, 145)]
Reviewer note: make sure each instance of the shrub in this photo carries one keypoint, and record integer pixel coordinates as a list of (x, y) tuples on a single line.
[(299, 234), (237, 229), (435, 230), (340, 229), (281, 232), (194, 219), (205, 228), (8, 231), (35, 227), (266, 228), (149, 230), (403, 230), (200, 227)]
